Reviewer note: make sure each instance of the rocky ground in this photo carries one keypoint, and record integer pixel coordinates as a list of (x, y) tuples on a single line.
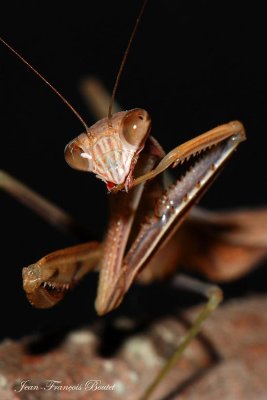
[(227, 361)]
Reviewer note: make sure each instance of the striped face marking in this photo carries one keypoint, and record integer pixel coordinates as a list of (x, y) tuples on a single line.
[(112, 161), (110, 150)]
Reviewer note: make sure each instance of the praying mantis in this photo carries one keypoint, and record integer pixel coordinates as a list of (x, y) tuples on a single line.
[(112, 290)]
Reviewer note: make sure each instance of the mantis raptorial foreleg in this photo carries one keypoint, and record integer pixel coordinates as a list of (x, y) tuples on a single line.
[(222, 245), (193, 147), (47, 281)]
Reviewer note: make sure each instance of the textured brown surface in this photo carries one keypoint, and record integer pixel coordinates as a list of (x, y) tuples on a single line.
[(228, 360)]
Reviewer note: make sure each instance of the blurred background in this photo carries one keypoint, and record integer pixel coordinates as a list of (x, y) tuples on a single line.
[(193, 65)]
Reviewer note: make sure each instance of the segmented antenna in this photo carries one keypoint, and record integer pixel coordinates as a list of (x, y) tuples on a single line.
[(46, 82), (124, 61)]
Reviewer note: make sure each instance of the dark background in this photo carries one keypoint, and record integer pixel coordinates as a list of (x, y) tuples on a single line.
[(193, 65)]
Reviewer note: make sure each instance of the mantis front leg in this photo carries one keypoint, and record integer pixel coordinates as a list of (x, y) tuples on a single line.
[(192, 147), (47, 281)]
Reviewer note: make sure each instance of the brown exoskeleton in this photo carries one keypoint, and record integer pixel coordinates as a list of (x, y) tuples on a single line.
[(143, 241)]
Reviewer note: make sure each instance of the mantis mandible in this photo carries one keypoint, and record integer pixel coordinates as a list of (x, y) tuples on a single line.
[(146, 212)]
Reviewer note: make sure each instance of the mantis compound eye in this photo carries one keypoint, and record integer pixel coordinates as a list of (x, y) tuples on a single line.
[(136, 126), (77, 154)]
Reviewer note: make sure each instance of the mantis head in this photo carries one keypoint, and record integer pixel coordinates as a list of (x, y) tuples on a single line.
[(110, 147)]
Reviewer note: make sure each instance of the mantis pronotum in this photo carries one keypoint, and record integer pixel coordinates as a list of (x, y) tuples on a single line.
[(51, 281)]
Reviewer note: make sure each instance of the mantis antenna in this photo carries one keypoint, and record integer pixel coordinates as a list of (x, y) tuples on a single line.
[(60, 95), (46, 82), (124, 61)]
